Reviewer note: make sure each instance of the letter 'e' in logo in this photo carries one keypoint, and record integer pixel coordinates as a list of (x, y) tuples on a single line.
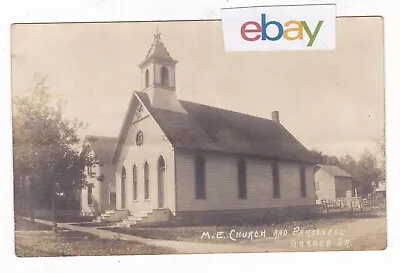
[(294, 30)]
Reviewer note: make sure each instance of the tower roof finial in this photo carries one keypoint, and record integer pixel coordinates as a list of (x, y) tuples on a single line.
[(157, 36), (157, 51)]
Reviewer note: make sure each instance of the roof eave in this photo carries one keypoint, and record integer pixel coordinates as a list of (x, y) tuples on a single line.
[(151, 58), (122, 135)]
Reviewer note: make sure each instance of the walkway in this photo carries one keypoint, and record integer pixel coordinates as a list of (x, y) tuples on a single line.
[(179, 246)]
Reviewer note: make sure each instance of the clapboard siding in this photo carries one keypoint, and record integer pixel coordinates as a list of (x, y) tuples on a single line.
[(96, 194), (326, 185), (154, 145), (100, 189), (222, 184)]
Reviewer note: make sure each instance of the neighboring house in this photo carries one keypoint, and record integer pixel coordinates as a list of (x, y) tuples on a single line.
[(331, 182), (189, 159), (380, 190), (100, 194)]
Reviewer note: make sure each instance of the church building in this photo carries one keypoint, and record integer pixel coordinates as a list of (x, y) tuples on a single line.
[(177, 159)]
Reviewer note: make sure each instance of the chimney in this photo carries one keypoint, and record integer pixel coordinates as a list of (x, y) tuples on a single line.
[(275, 116)]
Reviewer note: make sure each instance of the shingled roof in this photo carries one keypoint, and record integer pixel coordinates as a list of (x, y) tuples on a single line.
[(213, 129), (334, 170), (158, 51), (103, 147)]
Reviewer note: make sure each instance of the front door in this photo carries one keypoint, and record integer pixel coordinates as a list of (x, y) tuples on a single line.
[(161, 182)]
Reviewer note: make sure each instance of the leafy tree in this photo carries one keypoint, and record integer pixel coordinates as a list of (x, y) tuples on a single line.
[(46, 151), (367, 171), (325, 159), (348, 163)]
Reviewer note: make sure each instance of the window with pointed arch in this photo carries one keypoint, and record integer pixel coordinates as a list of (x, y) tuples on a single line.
[(123, 187), (200, 177), (146, 182), (242, 183), (276, 187), (90, 195), (164, 76), (134, 181), (146, 78)]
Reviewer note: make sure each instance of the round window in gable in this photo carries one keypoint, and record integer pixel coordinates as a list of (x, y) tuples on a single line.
[(139, 138)]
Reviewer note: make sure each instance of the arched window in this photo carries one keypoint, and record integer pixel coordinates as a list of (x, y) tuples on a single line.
[(146, 78), (146, 181), (90, 195), (123, 179), (200, 178), (161, 181), (276, 187), (242, 183), (134, 180), (164, 76), (303, 187)]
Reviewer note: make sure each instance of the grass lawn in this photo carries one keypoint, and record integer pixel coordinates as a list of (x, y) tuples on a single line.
[(21, 225), (197, 233), (36, 240)]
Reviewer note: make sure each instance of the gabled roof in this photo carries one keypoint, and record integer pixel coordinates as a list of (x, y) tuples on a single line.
[(103, 147), (213, 129), (334, 170)]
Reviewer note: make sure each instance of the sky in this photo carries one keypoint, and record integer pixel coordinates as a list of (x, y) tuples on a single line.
[(330, 100)]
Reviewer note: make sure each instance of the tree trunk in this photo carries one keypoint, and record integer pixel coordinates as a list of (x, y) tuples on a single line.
[(29, 200), (53, 207)]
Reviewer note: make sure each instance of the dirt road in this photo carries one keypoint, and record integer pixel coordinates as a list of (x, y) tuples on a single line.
[(360, 234)]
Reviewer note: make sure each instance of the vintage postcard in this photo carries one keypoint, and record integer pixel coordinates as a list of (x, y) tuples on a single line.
[(150, 138)]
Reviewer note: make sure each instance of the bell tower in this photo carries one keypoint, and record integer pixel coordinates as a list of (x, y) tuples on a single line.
[(158, 76)]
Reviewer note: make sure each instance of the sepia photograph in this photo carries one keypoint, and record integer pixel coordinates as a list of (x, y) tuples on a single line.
[(138, 138)]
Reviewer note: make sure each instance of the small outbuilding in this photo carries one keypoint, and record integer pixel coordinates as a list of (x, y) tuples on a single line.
[(331, 183)]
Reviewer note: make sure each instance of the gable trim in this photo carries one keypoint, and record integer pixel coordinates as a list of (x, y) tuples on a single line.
[(126, 125), (123, 132)]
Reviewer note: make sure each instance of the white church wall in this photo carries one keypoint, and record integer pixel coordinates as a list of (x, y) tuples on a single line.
[(222, 185), (155, 144), (109, 178)]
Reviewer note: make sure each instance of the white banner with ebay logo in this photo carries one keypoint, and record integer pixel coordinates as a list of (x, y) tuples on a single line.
[(272, 28)]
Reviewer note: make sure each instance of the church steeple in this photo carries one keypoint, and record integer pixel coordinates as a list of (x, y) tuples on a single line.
[(158, 73), (158, 67)]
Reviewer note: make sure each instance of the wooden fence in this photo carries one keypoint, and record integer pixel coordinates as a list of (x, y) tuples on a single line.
[(352, 204)]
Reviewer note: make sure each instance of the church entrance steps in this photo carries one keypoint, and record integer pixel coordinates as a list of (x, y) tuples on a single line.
[(112, 216), (110, 211), (144, 217)]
